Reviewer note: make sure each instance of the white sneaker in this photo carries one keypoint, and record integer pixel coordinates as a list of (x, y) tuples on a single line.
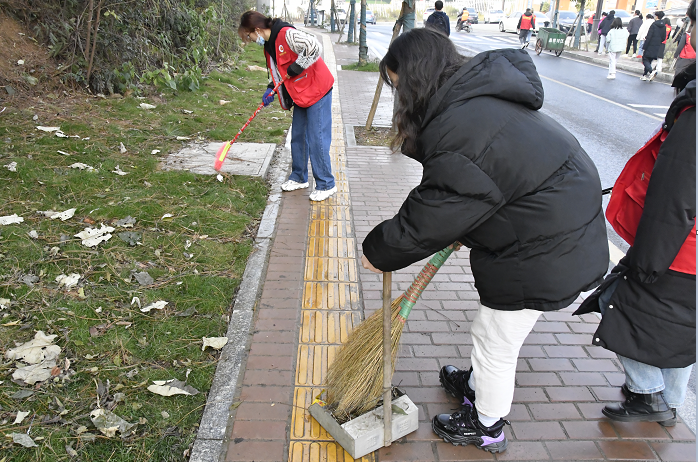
[(644, 77), (653, 74), (321, 194), (611, 76), (291, 185), (634, 55)]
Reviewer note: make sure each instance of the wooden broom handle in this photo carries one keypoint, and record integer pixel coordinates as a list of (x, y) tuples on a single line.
[(387, 361), (422, 280)]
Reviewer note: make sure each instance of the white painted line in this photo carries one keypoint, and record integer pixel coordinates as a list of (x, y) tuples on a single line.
[(615, 253), (602, 98), (649, 106), (660, 114)]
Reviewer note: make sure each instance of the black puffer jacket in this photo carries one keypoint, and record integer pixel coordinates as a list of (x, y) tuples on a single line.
[(606, 22), (508, 182), (653, 319), (653, 47)]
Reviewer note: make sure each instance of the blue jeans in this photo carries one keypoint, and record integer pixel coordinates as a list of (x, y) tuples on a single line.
[(645, 379), (311, 135)]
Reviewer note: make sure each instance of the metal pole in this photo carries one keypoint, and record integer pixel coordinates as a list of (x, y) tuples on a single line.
[(387, 361)]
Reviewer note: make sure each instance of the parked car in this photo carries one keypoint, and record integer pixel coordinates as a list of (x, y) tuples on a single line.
[(493, 16), (624, 16), (370, 17), (341, 15), (510, 23), (565, 20), (427, 13), (473, 18)]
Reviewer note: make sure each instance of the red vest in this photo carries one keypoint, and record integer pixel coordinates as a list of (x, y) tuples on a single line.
[(526, 22), (628, 200), (688, 52), (307, 88)]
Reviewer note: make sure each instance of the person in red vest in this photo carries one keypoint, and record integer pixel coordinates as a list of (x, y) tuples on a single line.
[(527, 22), (648, 302), (590, 22), (294, 56)]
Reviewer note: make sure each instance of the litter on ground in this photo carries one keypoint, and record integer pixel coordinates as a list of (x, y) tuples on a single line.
[(68, 281), (62, 215), (94, 236), (12, 166), (10, 219), (109, 423), (214, 342), (154, 306), (172, 387), (82, 166)]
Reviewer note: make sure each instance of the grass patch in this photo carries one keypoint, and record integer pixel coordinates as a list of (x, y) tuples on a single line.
[(110, 350), (371, 66)]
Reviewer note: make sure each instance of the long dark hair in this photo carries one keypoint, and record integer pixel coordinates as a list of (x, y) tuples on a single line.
[(423, 60), (251, 20), (617, 24)]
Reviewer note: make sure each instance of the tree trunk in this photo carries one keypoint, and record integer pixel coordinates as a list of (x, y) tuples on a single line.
[(363, 47)]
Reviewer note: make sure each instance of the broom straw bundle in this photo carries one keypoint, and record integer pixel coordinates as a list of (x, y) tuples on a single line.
[(355, 379)]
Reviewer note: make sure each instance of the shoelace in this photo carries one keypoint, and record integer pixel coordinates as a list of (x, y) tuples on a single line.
[(460, 379)]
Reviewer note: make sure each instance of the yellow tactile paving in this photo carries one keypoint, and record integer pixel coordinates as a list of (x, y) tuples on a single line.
[(330, 300)]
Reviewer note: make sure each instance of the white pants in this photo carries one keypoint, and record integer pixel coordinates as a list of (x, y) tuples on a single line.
[(612, 59), (497, 339), (602, 44)]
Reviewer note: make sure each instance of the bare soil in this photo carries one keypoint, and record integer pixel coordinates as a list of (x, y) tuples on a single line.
[(376, 136)]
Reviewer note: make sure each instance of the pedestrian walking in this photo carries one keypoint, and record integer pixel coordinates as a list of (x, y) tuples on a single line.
[(438, 20), (604, 27), (653, 49), (642, 34), (527, 22), (295, 56), (531, 217), (633, 28), (616, 41), (590, 23), (648, 302)]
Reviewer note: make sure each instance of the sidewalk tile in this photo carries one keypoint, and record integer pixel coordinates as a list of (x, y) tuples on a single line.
[(529, 394), (266, 394), (423, 433), (399, 452), (589, 430), (595, 365), (255, 451), (564, 351), (434, 351), (251, 429), (518, 412), (608, 393), (524, 450), (569, 394), (675, 451), (538, 431), (583, 378), (571, 450), (574, 339), (267, 377), (627, 450), (261, 411), (450, 453), (537, 379), (531, 351), (554, 411), (681, 432), (641, 430), (591, 410), (555, 365)]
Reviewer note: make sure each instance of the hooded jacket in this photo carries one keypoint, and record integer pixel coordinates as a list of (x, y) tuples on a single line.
[(651, 317), (656, 35), (438, 20), (605, 24), (508, 182), (634, 25), (642, 33)]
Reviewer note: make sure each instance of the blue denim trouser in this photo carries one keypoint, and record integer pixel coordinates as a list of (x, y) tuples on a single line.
[(311, 135), (645, 379)]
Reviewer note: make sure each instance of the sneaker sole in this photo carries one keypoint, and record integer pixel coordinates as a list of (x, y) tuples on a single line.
[(479, 443), (452, 391), (663, 417), (294, 188)]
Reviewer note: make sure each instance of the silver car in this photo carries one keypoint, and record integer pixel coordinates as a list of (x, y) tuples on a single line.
[(493, 16)]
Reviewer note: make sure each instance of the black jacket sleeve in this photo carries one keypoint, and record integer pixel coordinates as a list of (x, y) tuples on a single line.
[(435, 214), (670, 205)]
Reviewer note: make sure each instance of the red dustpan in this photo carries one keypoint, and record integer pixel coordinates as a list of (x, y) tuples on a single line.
[(223, 151)]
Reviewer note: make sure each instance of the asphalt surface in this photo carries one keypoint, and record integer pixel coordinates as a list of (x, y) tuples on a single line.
[(611, 119)]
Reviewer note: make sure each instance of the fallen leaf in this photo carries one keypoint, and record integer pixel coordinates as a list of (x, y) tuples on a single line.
[(127, 222), (136, 300), (33, 234), (99, 330), (82, 166), (119, 172), (186, 313), (146, 106), (70, 451), (165, 414), (20, 416), (92, 237), (10, 219), (35, 372), (398, 410), (12, 166), (62, 215), (214, 342), (122, 149), (255, 68), (39, 349), (182, 138), (186, 111), (130, 238), (4, 303), (167, 215), (109, 423), (48, 129), (143, 277), (219, 177), (68, 281), (23, 439), (21, 394), (172, 387), (154, 306), (223, 102), (155, 151)]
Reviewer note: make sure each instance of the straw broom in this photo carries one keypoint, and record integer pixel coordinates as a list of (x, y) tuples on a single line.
[(355, 379)]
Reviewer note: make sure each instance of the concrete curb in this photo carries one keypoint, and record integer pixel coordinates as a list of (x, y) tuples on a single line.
[(209, 443), (661, 76)]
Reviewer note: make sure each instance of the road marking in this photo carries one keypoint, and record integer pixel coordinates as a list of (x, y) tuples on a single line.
[(624, 106), (615, 253), (649, 106)]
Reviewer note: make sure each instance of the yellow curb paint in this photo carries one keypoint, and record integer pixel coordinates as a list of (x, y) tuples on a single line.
[(330, 300)]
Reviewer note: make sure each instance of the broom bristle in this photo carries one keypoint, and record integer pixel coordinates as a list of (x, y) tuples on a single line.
[(354, 380)]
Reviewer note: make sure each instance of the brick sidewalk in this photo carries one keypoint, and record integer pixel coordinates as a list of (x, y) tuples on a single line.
[(313, 295)]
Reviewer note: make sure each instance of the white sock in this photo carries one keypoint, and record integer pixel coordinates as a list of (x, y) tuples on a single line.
[(487, 421), (471, 381)]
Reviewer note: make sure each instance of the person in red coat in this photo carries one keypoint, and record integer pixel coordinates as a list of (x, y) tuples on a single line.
[(295, 56)]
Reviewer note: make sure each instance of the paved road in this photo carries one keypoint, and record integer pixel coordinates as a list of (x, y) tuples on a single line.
[(610, 118)]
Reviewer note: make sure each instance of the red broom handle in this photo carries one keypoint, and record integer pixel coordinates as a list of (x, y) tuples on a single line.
[(259, 108)]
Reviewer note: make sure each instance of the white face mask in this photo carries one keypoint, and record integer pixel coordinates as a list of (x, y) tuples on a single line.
[(260, 40)]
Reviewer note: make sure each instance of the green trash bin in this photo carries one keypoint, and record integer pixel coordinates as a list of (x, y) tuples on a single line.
[(550, 39)]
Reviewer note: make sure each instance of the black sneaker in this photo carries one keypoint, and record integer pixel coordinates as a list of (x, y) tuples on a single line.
[(463, 428), (664, 423), (455, 381)]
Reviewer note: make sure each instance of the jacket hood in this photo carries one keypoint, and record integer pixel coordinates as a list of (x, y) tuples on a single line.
[(528, 14), (687, 97), (276, 27), (507, 74)]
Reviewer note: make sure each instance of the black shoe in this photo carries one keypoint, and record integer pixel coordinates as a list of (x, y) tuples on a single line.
[(463, 428), (665, 423), (455, 382), (639, 408)]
